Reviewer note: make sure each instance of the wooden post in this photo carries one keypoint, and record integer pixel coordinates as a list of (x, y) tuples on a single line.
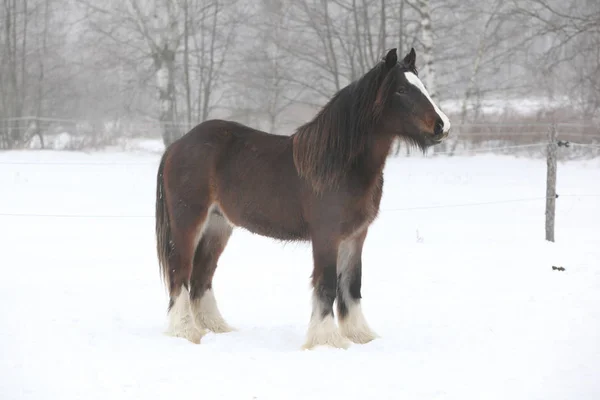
[(551, 162)]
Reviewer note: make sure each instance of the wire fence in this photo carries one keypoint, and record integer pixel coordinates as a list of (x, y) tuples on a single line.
[(593, 149), (412, 208), (70, 134), (539, 145)]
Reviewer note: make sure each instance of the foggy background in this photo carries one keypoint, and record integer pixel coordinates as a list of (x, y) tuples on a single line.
[(101, 71)]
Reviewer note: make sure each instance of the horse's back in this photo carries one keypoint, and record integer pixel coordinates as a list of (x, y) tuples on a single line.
[(210, 133), (203, 147), (218, 134)]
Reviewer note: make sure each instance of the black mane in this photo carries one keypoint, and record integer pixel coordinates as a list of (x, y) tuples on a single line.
[(327, 145)]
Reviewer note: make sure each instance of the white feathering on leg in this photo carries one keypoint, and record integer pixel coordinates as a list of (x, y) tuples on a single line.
[(181, 323), (323, 331), (207, 314), (354, 326)]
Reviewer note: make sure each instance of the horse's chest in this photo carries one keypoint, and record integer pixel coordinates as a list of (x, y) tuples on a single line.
[(361, 213), (357, 220)]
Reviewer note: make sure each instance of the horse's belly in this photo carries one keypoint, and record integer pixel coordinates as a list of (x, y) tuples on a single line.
[(264, 212), (259, 190), (278, 227)]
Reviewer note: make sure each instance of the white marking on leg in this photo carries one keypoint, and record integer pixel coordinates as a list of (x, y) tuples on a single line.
[(204, 309), (346, 251), (415, 81), (213, 224), (217, 224), (181, 323), (354, 325), (207, 314), (323, 331)]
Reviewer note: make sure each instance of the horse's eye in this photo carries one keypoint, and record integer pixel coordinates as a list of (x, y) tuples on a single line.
[(402, 89)]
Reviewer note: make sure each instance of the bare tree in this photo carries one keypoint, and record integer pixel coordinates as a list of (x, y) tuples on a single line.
[(568, 34), (267, 81), (271, 62), (153, 31), (158, 24), (29, 74), (212, 46)]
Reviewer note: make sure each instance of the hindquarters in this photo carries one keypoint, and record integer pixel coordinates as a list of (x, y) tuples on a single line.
[(190, 231), (174, 272), (183, 196), (162, 224)]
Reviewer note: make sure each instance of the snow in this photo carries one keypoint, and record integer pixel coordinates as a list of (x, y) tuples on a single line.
[(464, 299), (60, 141)]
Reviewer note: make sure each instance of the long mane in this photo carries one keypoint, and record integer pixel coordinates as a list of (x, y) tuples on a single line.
[(325, 147)]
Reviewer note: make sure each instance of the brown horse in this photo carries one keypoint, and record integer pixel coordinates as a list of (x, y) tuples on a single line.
[(322, 184)]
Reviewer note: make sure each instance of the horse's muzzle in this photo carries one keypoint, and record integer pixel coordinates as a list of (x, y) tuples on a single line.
[(438, 129)]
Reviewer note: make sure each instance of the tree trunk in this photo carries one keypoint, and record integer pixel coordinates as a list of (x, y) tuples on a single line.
[(401, 30), (382, 30), (427, 37), (471, 86), (23, 87), (165, 81), (186, 64), (208, 85), (359, 45), (331, 49)]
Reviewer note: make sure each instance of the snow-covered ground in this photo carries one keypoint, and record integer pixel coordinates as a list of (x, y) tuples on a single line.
[(464, 298)]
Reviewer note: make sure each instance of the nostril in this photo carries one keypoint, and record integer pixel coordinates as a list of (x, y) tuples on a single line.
[(438, 128)]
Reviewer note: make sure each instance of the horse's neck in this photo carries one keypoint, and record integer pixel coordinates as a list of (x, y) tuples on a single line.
[(378, 154), (370, 164)]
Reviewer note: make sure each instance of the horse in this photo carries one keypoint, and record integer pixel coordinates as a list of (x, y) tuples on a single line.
[(322, 184)]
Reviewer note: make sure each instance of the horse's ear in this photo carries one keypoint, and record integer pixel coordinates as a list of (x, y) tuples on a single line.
[(391, 58), (409, 60)]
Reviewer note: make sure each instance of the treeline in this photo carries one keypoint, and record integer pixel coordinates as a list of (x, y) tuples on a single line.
[(271, 62)]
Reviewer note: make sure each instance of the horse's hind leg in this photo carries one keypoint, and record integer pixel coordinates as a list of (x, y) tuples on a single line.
[(214, 238), (349, 267), (185, 231), (181, 323)]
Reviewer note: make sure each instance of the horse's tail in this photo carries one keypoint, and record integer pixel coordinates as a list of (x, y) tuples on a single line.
[(163, 226)]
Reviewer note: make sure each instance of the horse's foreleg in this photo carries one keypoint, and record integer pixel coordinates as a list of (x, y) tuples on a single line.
[(215, 236), (322, 329), (353, 324)]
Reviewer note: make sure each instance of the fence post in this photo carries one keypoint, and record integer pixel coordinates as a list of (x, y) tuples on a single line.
[(551, 163)]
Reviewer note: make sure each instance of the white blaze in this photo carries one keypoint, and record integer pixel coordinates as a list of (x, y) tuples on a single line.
[(415, 81)]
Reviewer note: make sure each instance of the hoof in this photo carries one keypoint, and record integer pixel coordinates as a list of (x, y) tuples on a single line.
[(325, 333), (192, 334), (181, 323), (221, 328), (360, 336), (355, 327), (334, 342), (207, 314)]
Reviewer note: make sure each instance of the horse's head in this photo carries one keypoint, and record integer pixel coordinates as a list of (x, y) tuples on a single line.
[(410, 113)]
